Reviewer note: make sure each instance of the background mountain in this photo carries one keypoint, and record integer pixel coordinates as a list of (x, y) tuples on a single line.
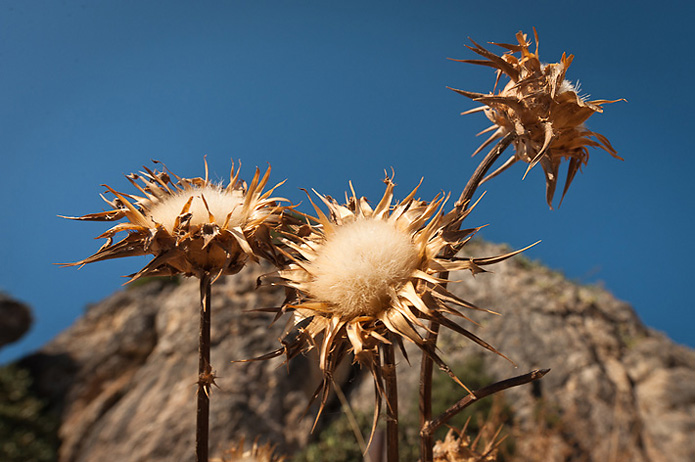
[(120, 382)]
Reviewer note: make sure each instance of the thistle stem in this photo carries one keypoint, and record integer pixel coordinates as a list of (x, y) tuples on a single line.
[(391, 384), (479, 394), (426, 438), (204, 372), (481, 171)]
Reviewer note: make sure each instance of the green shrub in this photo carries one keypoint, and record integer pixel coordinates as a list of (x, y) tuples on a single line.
[(27, 432), (336, 442)]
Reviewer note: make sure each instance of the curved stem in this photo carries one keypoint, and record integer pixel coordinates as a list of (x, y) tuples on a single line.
[(205, 376), (391, 383), (426, 439), (481, 171), (479, 394)]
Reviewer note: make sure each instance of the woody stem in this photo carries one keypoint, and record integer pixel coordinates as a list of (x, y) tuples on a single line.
[(391, 383), (481, 171), (480, 394), (204, 370), (426, 438)]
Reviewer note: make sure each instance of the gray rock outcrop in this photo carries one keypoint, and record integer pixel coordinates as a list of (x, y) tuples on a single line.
[(123, 376)]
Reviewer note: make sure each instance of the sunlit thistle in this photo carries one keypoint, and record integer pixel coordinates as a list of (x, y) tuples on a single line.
[(191, 226), (196, 228), (541, 111), (365, 276)]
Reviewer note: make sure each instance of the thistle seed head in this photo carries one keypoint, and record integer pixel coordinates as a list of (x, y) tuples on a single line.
[(540, 110), (192, 226)]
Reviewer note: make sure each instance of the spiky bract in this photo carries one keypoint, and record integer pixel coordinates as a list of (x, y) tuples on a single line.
[(540, 110), (364, 276), (192, 226)]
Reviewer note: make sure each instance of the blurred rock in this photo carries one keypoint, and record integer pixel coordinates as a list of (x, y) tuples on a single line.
[(15, 319), (123, 376)]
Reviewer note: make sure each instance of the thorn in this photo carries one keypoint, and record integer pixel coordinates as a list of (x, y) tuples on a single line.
[(206, 380)]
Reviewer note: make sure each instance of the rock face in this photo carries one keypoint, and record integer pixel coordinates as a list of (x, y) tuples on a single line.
[(617, 391), (123, 376), (621, 391), (15, 320)]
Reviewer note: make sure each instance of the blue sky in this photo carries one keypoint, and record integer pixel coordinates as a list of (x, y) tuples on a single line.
[(328, 92)]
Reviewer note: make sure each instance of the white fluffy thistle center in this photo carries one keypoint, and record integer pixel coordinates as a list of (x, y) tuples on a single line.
[(219, 202), (361, 266)]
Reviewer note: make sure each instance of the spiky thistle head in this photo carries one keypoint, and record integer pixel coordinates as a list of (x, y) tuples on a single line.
[(192, 226), (540, 110), (364, 276), (457, 446), (256, 453)]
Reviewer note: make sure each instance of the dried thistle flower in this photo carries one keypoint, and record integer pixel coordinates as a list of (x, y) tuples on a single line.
[(458, 447), (257, 453), (541, 110), (191, 226), (367, 276)]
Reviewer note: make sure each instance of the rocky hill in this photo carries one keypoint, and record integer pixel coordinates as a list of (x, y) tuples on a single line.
[(122, 378)]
